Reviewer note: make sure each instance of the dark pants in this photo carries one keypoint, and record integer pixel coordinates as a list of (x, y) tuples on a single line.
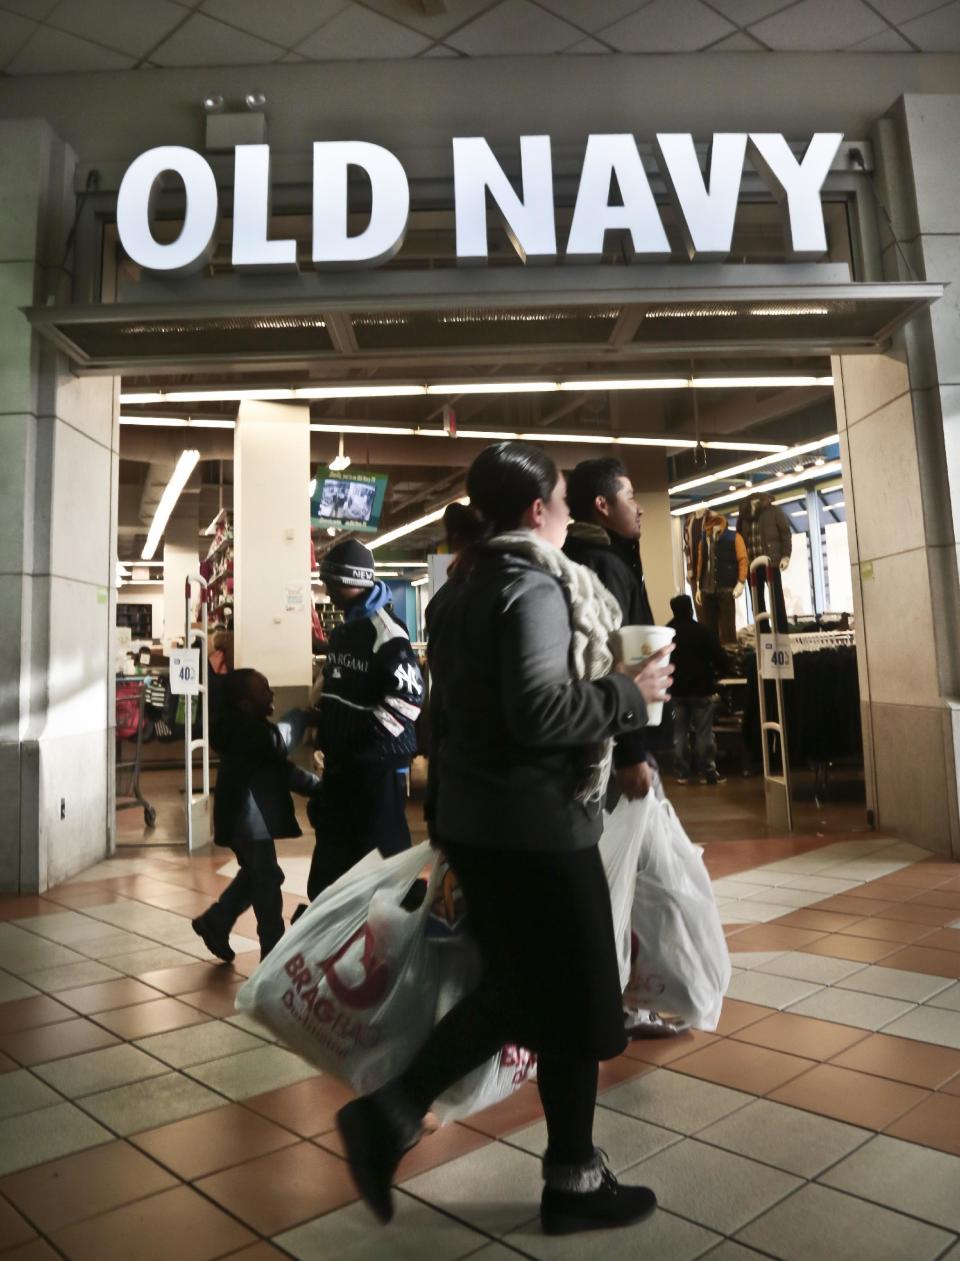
[(760, 600), (693, 720), (256, 884), (361, 808), (718, 611)]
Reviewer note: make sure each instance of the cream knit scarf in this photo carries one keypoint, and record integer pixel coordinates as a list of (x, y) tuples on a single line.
[(595, 615)]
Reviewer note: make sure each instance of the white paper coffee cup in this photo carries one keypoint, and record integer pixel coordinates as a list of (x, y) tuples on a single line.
[(633, 645)]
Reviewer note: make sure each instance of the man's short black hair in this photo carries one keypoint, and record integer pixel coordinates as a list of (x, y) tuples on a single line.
[(590, 479), (682, 606)]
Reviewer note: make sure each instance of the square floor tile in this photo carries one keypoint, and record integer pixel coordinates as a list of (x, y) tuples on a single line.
[(153, 959), (912, 987), (258, 1252), (249, 1024), (253, 1072), (888, 930), (145, 1019), (902, 1059), (747, 960), (53, 980), (935, 1123), (936, 916), (769, 991), (920, 958), (818, 969), (205, 1144), (716, 1188), (663, 1236), (515, 1112), (626, 1140), (741, 1066), (77, 1187), (857, 949), (191, 1229), (32, 1013), (773, 937), (306, 1108), (282, 1189), (191, 977), (857, 1098), (904, 1177), (448, 1143), (624, 1068), (674, 1101), (20, 1091), (820, 921), (33, 1250), (31, 955), (182, 1048), (800, 1143), (493, 1189), (220, 1002), (820, 1222), (736, 1015), (929, 1024), (107, 996), (147, 1104), (666, 1050), (14, 1229), (12, 988), (45, 1134), (948, 998), (112, 944), (848, 1007), (417, 1231), (52, 1042), (800, 1035), (94, 1071)]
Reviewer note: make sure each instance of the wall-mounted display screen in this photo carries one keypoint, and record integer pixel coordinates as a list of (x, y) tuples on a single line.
[(352, 501)]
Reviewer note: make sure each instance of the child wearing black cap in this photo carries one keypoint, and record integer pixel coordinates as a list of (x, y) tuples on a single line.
[(371, 699)]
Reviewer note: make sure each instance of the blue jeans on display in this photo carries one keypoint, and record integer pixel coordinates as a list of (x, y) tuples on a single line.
[(693, 720)]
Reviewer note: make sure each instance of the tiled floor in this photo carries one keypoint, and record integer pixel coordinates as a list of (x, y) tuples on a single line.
[(142, 1119)]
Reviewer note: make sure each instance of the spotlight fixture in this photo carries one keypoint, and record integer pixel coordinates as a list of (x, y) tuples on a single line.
[(341, 462), (798, 468), (255, 100), (700, 455), (213, 104)]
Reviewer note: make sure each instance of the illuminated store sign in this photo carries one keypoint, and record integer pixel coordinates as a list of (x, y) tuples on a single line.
[(707, 203)]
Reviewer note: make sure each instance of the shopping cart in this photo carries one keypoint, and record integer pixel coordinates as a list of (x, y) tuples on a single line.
[(130, 720)]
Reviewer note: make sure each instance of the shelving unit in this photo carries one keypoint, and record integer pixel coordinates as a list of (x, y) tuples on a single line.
[(219, 560)]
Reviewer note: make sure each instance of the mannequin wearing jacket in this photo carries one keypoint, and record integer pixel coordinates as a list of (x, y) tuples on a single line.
[(692, 533), (766, 531), (721, 571)]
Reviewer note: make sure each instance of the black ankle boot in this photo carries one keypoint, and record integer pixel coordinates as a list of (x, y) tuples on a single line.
[(216, 939), (377, 1131), (588, 1197)]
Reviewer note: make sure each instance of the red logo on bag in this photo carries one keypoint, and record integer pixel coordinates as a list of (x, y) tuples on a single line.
[(376, 974)]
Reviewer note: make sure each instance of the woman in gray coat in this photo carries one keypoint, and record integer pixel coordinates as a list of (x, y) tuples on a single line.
[(526, 702)]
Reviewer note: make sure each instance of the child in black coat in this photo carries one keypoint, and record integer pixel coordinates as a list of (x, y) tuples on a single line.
[(252, 808)]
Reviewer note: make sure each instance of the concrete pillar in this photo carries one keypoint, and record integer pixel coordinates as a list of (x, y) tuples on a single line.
[(899, 420), (648, 472), (58, 502), (272, 533), (181, 557)]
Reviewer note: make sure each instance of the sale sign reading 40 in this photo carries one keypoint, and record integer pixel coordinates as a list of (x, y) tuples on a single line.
[(776, 657)]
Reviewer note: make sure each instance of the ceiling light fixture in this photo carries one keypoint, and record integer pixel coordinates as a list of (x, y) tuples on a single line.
[(734, 383), (181, 475), (213, 103), (255, 100), (806, 476), (359, 391), (341, 462), (748, 466), (419, 582), (411, 526)]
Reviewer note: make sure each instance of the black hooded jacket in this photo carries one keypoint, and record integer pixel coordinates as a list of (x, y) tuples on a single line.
[(251, 800)]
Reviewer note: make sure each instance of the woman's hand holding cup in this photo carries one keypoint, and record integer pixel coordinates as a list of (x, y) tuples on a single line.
[(653, 676)]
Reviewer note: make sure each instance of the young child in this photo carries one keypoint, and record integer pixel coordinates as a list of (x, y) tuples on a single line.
[(252, 808)]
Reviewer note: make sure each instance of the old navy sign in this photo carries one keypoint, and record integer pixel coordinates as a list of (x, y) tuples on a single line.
[(706, 201)]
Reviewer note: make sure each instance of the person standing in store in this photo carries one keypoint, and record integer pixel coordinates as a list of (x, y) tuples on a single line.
[(365, 718), (699, 661), (605, 537), (530, 700), (252, 809)]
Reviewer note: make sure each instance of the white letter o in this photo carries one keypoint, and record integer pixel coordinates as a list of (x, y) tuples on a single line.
[(194, 247)]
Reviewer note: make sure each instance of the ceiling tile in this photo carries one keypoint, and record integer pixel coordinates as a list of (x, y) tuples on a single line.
[(739, 42), (593, 15), (440, 50), (54, 52), (131, 26), (899, 11), (39, 10), (589, 47), (201, 41), (819, 26), (514, 27), (938, 32), (14, 33), (281, 21), (411, 13), (359, 34), (745, 12), (668, 26), (887, 41)]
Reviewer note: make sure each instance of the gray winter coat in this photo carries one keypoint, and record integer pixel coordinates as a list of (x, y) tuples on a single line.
[(512, 734)]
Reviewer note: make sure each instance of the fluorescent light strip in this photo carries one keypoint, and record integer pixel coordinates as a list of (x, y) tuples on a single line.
[(181, 475), (808, 475), (175, 422), (409, 528), (419, 582), (406, 389), (785, 453)]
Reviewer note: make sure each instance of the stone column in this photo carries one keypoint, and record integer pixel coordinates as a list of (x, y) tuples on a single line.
[(58, 495), (648, 472), (899, 418)]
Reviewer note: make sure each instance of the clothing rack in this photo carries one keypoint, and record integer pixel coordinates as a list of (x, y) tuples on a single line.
[(815, 641)]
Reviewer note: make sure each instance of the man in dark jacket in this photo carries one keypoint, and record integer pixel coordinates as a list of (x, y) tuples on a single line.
[(604, 536), (366, 719), (252, 808), (699, 661)]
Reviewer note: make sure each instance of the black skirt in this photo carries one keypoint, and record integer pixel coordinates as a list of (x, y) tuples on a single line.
[(544, 928)]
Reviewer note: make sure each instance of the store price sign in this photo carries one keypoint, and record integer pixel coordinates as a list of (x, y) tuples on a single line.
[(185, 672), (776, 658)]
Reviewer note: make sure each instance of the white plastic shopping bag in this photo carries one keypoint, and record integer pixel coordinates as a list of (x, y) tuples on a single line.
[(623, 835), (352, 986), (681, 963)]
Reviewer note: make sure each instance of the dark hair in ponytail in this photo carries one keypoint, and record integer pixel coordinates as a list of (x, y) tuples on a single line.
[(505, 479)]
